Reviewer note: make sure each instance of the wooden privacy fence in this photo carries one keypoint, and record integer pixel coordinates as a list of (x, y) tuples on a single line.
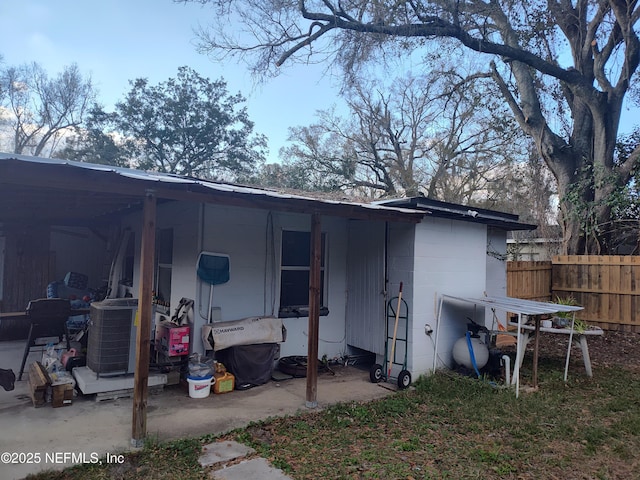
[(529, 280), (608, 287)]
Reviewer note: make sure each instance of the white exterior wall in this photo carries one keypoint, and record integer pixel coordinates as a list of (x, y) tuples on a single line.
[(444, 257), (400, 268), (496, 272), (496, 262), (332, 332), (432, 258), (254, 285), (184, 218)]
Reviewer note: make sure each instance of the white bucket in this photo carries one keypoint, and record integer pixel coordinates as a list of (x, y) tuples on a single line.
[(200, 387)]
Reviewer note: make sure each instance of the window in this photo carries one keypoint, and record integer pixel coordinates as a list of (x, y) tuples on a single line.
[(294, 274)]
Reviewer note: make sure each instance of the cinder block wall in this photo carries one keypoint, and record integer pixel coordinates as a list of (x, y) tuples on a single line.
[(442, 257)]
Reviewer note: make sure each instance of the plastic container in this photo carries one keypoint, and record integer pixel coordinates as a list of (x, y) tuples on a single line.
[(225, 383), (200, 387), (67, 355)]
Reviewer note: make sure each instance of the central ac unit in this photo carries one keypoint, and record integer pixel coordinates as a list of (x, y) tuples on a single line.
[(111, 346)]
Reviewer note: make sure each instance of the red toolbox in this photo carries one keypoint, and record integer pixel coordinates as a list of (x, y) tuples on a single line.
[(172, 340)]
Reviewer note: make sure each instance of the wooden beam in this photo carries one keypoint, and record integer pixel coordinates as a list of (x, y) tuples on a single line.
[(314, 311), (145, 311)]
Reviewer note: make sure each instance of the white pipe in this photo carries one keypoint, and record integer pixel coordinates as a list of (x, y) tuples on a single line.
[(506, 362), (435, 345)]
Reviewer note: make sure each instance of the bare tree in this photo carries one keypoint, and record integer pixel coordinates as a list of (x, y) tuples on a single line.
[(428, 136), (564, 67), (529, 190), (43, 109)]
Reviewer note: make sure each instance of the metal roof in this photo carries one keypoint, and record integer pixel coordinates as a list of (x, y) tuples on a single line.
[(36, 188), (437, 208), (517, 305)]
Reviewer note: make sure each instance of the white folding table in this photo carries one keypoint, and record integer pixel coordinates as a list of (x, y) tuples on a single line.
[(525, 332)]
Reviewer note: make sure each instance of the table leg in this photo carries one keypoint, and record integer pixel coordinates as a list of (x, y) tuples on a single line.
[(523, 341), (536, 344), (582, 342)]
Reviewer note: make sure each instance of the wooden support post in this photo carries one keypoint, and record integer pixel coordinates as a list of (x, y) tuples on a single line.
[(145, 312), (314, 311)]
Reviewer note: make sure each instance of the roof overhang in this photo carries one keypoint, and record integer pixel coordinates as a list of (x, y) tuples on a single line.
[(61, 192), (453, 211)]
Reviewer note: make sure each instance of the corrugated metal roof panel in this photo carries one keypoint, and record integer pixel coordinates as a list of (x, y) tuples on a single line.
[(517, 305), (206, 184)]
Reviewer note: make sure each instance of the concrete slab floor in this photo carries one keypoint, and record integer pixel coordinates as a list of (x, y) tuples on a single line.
[(54, 438)]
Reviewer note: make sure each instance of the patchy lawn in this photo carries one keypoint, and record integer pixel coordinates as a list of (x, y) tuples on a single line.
[(448, 427), (456, 427)]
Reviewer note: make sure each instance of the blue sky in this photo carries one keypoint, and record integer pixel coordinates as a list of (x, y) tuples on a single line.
[(119, 40)]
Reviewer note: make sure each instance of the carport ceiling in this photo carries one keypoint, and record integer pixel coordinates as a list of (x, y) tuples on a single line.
[(33, 192), (41, 204)]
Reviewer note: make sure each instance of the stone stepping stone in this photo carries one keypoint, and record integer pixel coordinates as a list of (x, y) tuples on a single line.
[(219, 452), (255, 468)]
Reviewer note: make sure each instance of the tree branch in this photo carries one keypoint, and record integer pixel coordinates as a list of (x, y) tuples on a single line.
[(433, 26), (309, 39)]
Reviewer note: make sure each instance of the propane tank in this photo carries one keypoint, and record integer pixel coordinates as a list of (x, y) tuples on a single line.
[(462, 354)]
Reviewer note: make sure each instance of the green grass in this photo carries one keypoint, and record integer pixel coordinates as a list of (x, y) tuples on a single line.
[(157, 460), (448, 427)]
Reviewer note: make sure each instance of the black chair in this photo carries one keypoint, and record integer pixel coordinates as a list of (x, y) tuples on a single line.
[(48, 318), (7, 379)]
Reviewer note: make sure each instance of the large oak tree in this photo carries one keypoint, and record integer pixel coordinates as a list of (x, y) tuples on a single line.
[(564, 67), (189, 125)]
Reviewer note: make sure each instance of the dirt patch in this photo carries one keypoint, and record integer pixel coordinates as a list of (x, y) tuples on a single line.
[(612, 348)]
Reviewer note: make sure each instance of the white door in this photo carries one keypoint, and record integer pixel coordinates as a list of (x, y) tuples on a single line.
[(365, 286)]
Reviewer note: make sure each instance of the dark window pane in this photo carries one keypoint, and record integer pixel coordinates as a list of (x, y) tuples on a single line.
[(294, 278), (294, 291), (295, 249), (295, 288)]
